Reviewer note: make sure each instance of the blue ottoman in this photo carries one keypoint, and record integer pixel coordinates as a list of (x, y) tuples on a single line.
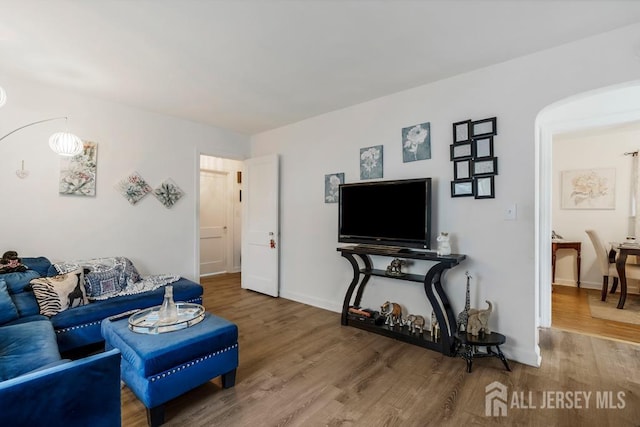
[(158, 368)]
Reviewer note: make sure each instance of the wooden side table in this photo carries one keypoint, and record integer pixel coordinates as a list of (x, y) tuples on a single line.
[(564, 244), (469, 347)]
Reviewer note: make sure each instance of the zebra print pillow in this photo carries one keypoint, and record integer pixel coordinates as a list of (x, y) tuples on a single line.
[(58, 293)]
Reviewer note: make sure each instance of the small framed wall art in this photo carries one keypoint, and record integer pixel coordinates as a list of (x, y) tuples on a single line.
[(332, 183), (462, 169), (371, 160), (484, 187), (461, 131), (484, 127), (168, 193), (133, 188), (482, 147), (462, 188), (461, 151), (416, 142), (78, 173), (484, 167)]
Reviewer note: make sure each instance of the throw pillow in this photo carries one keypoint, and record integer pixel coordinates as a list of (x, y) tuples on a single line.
[(59, 293), (103, 283), (131, 274), (104, 277), (8, 310)]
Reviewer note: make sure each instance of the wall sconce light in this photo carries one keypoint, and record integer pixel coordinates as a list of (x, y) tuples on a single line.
[(63, 143)]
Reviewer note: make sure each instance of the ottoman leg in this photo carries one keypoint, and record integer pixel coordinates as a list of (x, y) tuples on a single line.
[(155, 416), (229, 379)]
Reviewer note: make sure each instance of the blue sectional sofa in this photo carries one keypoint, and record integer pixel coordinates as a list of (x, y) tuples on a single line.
[(36, 383)]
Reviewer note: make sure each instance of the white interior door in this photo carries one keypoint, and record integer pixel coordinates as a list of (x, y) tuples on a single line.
[(260, 220), (213, 222)]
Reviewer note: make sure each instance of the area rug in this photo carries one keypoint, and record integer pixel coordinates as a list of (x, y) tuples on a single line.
[(607, 309)]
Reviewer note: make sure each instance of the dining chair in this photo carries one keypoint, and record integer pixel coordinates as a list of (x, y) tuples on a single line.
[(608, 268)]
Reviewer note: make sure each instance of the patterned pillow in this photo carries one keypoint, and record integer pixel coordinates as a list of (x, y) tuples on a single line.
[(131, 274), (104, 277), (104, 283), (58, 293)]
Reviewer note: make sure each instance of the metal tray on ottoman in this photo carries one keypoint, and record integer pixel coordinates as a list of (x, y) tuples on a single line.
[(147, 321)]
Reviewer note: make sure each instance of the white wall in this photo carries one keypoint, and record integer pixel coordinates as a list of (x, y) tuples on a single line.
[(501, 256), (38, 221), (592, 149)]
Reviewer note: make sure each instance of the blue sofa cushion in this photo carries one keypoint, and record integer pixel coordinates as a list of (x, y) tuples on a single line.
[(39, 264), (59, 293), (26, 304), (17, 282), (26, 319), (8, 310), (183, 290), (26, 347)]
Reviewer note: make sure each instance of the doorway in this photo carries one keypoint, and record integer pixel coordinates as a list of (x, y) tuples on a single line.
[(220, 224), (605, 107)]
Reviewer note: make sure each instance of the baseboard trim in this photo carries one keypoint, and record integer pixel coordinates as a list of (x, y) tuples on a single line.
[(315, 302)]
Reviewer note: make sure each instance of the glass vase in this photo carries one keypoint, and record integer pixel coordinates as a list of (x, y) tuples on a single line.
[(168, 311)]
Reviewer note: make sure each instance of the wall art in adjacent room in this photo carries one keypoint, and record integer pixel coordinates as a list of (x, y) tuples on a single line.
[(331, 185), (371, 162), (589, 189), (416, 142), (133, 188), (78, 173)]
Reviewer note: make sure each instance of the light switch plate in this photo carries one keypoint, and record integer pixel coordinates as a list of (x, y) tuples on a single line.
[(511, 212)]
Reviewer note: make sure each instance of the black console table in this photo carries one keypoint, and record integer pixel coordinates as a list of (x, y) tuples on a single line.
[(432, 281)]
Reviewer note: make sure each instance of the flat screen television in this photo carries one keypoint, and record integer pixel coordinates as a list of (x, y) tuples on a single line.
[(388, 213)]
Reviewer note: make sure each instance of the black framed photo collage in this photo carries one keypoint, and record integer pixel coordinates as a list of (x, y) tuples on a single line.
[(474, 163)]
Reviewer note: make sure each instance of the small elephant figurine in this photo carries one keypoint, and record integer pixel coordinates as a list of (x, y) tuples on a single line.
[(479, 320), (415, 322), (393, 312), (395, 267)]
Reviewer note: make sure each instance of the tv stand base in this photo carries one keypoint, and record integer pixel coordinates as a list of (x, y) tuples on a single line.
[(357, 255)]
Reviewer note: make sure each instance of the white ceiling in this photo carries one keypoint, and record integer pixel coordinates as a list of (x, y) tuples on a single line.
[(251, 66)]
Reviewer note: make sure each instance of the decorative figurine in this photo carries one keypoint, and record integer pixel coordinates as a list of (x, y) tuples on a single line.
[(478, 323), (435, 328), (415, 322), (10, 263), (393, 313), (463, 316), (444, 247), (394, 269)]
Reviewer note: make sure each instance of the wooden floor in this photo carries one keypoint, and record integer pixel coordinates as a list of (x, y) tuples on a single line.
[(300, 367), (570, 312)]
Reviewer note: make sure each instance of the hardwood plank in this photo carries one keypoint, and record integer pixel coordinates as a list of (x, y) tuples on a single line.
[(300, 367)]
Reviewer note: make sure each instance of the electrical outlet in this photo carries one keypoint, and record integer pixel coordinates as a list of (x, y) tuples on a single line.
[(511, 213)]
